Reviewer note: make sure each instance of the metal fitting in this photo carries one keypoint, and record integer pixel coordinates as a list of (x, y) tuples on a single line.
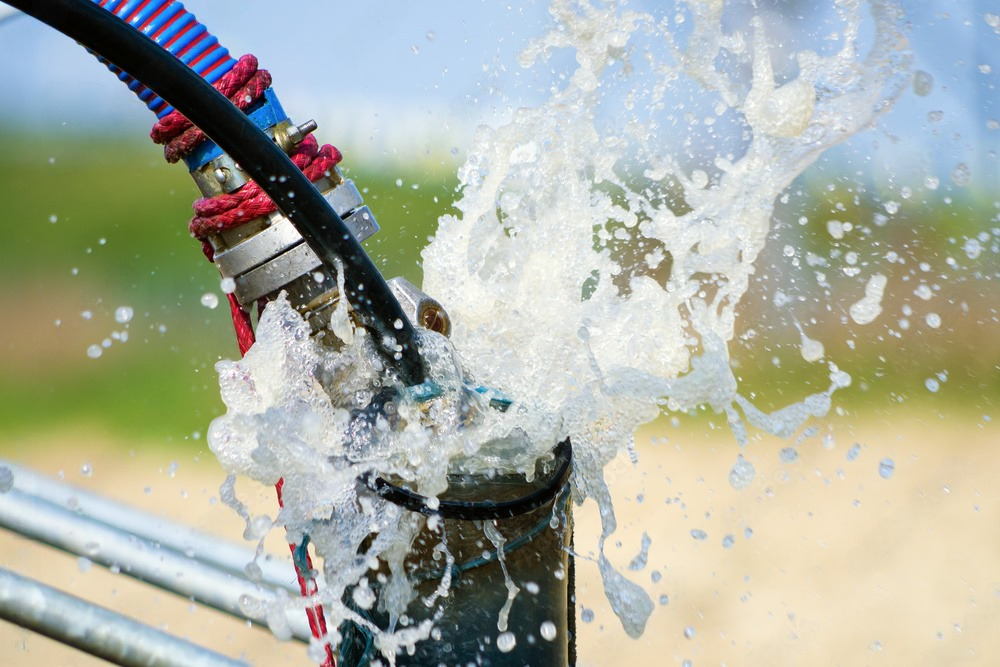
[(422, 310), (288, 136), (268, 255), (220, 176)]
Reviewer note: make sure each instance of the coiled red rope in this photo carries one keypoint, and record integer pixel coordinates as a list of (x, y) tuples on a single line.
[(244, 85), (216, 214)]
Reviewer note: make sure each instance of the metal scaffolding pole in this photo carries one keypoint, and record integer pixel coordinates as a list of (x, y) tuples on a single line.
[(143, 559), (96, 630), (201, 546)]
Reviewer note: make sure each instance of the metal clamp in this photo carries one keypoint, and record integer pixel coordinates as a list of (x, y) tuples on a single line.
[(268, 255)]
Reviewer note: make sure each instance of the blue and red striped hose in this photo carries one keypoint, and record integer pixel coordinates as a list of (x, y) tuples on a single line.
[(177, 30)]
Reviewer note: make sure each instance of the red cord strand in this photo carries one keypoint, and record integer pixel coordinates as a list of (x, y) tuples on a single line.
[(244, 85)]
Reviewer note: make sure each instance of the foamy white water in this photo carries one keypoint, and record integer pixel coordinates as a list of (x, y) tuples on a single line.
[(592, 275)]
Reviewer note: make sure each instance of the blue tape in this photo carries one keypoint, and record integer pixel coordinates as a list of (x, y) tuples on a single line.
[(265, 114)]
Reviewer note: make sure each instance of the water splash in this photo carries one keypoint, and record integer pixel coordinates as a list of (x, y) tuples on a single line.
[(602, 243)]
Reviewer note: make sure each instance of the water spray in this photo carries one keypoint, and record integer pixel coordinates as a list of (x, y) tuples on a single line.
[(622, 217), (283, 225)]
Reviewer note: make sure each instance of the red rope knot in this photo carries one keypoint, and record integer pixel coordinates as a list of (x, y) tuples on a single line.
[(243, 85), (222, 212)]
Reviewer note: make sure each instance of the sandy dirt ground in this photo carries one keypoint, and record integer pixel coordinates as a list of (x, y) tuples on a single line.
[(820, 561)]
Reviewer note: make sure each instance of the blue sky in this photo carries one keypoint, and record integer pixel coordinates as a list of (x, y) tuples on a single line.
[(388, 76)]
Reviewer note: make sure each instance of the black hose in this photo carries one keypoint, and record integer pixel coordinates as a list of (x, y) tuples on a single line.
[(325, 232), (483, 510)]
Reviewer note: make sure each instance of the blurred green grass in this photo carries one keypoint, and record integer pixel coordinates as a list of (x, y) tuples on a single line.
[(91, 224)]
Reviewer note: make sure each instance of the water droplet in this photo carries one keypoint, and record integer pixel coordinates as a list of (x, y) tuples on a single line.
[(87, 315), (123, 314), (664, 600), (728, 541), (933, 320), (923, 83), (853, 452), (835, 228), (53, 218), (84, 564), (688, 632), (748, 532), (95, 351), (227, 285), (886, 467), (698, 534), (364, 597), (741, 474), (6, 479), (548, 630), (506, 642), (932, 182), (86, 469), (869, 307), (398, 324), (932, 385), (586, 615), (210, 300), (430, 35), (972, 248), (788, 455), (961, 175), (810, 349)]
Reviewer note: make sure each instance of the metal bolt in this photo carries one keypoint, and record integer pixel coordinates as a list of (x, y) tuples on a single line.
[(297, 133)]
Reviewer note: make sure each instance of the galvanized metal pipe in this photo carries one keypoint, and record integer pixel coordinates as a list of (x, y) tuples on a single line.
[(201, 546), (96, 630), (42, 521)]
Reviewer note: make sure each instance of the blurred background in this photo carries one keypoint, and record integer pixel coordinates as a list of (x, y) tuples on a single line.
[(830, 559)]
